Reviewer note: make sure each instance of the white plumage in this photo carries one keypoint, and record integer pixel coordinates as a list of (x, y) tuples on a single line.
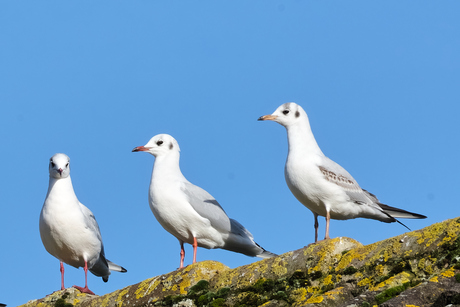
[(187, 211), (319, 183), (68, 229)]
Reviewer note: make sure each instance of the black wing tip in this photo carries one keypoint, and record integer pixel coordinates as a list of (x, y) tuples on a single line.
[(419, 216), (123, 270), (105, 278)]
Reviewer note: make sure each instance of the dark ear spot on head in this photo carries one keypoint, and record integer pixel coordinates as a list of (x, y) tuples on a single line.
[(171, 146), (297, 113)]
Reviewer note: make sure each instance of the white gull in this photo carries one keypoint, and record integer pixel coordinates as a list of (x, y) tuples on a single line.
[(69, 230), (319, 183), (187, 211)]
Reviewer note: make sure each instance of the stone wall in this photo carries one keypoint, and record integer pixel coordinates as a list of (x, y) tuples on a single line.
[(419, 268)]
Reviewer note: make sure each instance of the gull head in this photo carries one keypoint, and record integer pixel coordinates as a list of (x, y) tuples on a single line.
[(287, 114), (59, 166), (160, 145)]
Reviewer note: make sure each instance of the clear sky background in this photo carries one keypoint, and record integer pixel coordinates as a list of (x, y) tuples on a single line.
[(380, 81)]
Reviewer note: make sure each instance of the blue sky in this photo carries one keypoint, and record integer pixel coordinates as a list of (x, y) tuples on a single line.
[(378, 79)]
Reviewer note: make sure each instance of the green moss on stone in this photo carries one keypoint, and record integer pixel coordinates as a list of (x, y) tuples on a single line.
[(350, 270), (390, 293), (457, 277), (280, 295), (62, 303), (263, 285), (219, 302), (251, 299), (316, 275), (201, 285), (206, 298), (223, 292)]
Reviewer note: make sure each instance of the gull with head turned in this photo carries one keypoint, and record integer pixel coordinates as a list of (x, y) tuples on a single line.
[(319, 183), (187, 211)]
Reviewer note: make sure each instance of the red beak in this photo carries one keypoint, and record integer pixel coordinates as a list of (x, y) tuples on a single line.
[(140, 148)]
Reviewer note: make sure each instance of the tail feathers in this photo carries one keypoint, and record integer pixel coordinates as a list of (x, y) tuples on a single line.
[(400, 213), (116, 267), (266, 254), (388, 213), (240, 240)]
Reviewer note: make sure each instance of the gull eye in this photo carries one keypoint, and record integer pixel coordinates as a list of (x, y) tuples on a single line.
[(67, 165), (52, 163), (286, 112), (159, 142)]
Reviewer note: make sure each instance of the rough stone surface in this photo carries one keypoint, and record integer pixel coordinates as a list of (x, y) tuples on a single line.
[(419, 268)]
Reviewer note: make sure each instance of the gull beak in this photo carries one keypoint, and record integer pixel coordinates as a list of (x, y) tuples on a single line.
[(140, 148), (268, 117)]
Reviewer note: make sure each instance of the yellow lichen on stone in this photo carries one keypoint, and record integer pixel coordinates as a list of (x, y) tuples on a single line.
[(426, 265), (412, 306), (431, 233), (315, 299), (380, 269), (299, 295), (146, 287), (278, 267), (366, 281), (328, 280), (186, 283), (445, 240), (434, 279), (407, 253), (106, 299), (356, 253), (393, 281), (449, 273), (313, 289), (338, 277), (119, 300), (334, 293)]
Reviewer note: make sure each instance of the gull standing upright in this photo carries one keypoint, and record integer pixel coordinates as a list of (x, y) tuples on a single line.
[(319, 183), (187, 211), (69, 230)]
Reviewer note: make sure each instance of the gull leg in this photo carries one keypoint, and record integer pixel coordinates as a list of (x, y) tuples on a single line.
[(62, 276), (195, 247), (182, 254), (328, 220), (316, 227), (85, 289)]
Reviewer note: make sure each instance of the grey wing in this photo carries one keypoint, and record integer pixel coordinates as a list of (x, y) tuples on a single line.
[(335, 173), (207, 206), (90, 221), (100, 267)]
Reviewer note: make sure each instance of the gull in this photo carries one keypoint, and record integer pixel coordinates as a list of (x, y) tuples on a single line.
[(319, 183), (187, 211), (69, 230)]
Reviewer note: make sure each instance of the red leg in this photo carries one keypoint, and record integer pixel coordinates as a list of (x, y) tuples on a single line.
[(182, 254), (328, 220), (62, 276), (85, 289), (195, 247)]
